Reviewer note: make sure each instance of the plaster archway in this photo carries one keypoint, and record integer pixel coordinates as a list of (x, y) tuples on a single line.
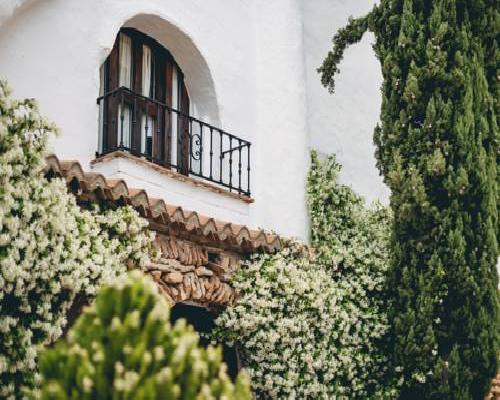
[(193, 64)]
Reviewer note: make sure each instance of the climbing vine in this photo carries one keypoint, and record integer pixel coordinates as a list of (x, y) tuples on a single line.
[(312, 322), (50, 249)]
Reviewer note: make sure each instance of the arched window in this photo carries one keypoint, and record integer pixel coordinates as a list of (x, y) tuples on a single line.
[(138, 79), (144, 109)]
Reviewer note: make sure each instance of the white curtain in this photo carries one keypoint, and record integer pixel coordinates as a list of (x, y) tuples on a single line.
[(146, 70), (125, 61), (147, 122), (125, 79)]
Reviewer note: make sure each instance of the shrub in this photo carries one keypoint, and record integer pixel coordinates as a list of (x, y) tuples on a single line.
[(50, 249), (123, 347), (310, 324)]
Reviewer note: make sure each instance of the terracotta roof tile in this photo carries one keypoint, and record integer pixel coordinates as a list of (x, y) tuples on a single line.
[(159, 209)]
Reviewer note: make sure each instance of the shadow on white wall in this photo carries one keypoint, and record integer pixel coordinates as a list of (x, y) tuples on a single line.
[(192, 63)]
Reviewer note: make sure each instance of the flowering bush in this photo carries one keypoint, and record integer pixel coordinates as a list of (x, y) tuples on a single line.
[(123, 347), (50, 249), (311, 324)]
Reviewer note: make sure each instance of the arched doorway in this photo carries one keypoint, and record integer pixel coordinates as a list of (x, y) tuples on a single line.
[(202, 319)]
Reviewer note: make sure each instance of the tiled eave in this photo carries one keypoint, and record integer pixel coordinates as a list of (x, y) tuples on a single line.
[(94, 187)]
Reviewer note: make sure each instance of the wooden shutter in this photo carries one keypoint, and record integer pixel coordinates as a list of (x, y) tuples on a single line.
[(183, 127), (159, 95), (167, 126), (137, 88), (112, 70)]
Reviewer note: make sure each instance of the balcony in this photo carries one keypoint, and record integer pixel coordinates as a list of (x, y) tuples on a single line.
[(153, 130)]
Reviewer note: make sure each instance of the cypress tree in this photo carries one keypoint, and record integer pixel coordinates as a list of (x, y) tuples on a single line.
[(437, 147)]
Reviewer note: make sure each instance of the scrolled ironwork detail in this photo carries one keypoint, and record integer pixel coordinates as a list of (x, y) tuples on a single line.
[(196, 139)]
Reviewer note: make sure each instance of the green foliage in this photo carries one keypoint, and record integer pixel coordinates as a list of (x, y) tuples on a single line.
[(50, 249), (312, 325), (123, 347), (346, 235), (437, 149)]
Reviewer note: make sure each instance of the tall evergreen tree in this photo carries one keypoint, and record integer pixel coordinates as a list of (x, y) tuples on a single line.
[(437, 148)]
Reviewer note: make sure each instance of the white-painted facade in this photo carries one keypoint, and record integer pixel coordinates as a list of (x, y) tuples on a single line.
[(250, 69)]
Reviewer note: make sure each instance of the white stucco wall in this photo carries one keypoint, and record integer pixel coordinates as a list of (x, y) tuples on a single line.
[(343, 123), (251, 83), (10, 7), (282, 140), (250, 69)]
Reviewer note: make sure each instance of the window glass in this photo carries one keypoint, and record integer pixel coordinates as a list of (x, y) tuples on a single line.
[(124, 125), (147, 129)]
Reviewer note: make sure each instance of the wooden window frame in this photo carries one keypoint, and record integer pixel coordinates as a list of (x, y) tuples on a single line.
[(162, 89)]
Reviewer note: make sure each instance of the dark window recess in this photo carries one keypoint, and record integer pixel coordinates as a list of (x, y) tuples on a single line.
[(145, 110), (213, 257), (203, 322)]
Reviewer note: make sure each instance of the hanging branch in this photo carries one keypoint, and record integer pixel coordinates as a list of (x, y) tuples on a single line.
[(351, 33)]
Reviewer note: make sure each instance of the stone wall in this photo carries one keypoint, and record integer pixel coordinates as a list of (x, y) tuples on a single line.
[(189, 273)]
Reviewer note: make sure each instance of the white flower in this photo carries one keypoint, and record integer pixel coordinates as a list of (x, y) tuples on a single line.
[(87, 384), (305, 326), (49, 245)]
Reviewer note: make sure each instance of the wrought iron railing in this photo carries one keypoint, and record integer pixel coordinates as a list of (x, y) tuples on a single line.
[(149, 128)]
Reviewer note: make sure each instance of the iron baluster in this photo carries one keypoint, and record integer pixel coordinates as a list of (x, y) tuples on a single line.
[(201, 149), (122, 117), (134, 126), (158, 132), (105, 130), (211, 152), (179, 143), (239, 165), (220, 157), (248, 169), (146, 130), (114, 129), (230, 163), (190, 154), (168, 148)]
